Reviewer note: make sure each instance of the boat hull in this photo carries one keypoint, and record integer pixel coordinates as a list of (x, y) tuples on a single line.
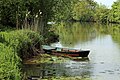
[(72, 54), (65, 51)]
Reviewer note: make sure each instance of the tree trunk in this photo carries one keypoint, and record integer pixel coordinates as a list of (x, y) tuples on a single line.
[(16, 20)]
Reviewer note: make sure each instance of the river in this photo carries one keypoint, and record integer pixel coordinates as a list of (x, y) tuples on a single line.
[(103, 62)]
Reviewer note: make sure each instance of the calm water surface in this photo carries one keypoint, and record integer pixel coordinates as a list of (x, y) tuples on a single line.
[(103, 41)]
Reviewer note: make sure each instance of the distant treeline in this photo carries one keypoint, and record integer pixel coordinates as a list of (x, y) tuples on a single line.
[(22, 13), (88, 10)]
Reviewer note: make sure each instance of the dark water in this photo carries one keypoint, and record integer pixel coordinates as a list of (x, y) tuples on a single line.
[(104, 59)]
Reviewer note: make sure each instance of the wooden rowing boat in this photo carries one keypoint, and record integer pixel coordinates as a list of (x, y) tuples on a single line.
[(65, 51)]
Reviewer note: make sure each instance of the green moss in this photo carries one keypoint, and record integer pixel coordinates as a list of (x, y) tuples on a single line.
[(67, 78), (45, 58)]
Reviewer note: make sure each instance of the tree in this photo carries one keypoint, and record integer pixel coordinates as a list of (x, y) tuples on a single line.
[(84, 10), (101, 13), (115, 12), (30, 12)]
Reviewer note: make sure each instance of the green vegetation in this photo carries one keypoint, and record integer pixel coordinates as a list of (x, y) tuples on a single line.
[(115, 32), (46, 58), (114, 15), (32, 14), (9, 63), (14, 47), (71, 34), (67, 78), (88, 10), (22, 41), (36, 14), (83, 10)]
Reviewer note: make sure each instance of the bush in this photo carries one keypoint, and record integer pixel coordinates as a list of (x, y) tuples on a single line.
[(9, 64), (15, 46), (23, 41)]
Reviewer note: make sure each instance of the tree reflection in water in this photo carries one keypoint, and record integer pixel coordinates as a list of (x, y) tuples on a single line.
[(104, 43), (68, 69)]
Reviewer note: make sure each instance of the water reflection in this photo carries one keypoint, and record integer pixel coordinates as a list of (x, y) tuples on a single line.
[(68, 69), (71, 34), (104, 44), (74, 33)]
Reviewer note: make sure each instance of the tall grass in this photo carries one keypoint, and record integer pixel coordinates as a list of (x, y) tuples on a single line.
[(14, 47)]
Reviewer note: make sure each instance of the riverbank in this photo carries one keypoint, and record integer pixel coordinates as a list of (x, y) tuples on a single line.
[(15, 46)]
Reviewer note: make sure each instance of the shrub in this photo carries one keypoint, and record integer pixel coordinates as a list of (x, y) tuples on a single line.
[(23, 41), (9, 64), (15, 46)]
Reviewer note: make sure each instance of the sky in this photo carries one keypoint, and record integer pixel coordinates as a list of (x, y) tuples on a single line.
[(108, 3)]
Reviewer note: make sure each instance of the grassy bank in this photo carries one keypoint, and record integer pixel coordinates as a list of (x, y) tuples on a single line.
[(14, 47)]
